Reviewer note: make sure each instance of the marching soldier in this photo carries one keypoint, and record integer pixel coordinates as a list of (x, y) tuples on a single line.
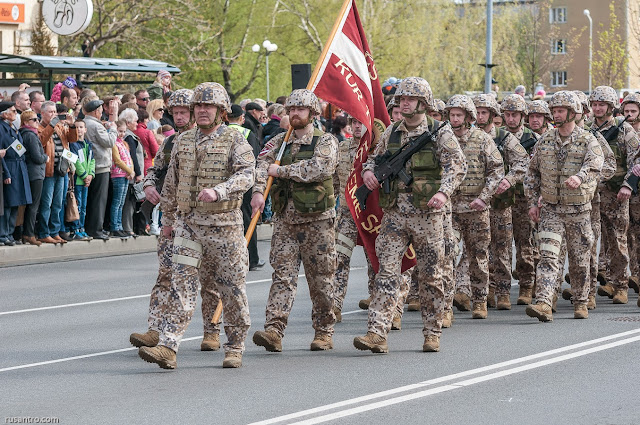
[(179, 106), (439, 110), (564, 170), (211, 167), (539, 117), (515, 166), (615, 193), (470, 202), (303, 203), (413, 215), (514, 110)]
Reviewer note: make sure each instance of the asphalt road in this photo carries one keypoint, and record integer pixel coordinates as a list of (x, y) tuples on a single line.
[(65, 358)]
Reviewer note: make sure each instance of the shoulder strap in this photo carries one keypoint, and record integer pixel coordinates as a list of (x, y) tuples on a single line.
[(394, 139)]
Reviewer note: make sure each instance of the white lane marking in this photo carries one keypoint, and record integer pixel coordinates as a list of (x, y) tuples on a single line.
[(84, 356), (53, 307), (462, 384), (463, 374), (354, 312)]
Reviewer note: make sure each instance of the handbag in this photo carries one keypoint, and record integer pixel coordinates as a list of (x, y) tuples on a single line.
[(71, 212)]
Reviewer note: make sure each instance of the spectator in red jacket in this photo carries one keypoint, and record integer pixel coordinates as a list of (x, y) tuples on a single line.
[(147, 138)]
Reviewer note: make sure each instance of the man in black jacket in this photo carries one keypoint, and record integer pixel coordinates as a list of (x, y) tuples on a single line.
[(253, 112)]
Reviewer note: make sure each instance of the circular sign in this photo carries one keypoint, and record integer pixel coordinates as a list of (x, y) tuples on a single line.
[(15, 12), (67, 17)]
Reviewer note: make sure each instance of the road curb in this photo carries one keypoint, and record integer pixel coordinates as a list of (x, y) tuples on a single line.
[(21, 255)]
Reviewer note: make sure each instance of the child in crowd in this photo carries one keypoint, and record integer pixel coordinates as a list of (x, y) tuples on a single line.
[(121, 173), (85, 172)]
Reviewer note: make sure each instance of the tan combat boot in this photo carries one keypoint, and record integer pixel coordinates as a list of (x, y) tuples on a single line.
[(338, 314), (269, 340), (567, 294), (491, 297), (321, 342), (554, 303), (525, 295), (504, 302), (462, 301), (634, 283), (541, 311), (396, 323), (621, 296), (606, 290), (431, 344), (163, 356), (364, 304), (414, 304), (371, 341), (232, 359), (210, 342), (148, 339), (448, 319), (580, 311), (591, 303), (479, 310)]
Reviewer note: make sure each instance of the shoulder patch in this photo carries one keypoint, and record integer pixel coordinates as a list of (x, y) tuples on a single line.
[(597, 150), (496, 155), (520, 149), (451, 144), (633, 141), (324, 150), (248, 156)]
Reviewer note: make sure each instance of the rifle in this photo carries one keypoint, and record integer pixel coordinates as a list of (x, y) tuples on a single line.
[(390, 166), (529, 143), (594, 130), (611, 133)]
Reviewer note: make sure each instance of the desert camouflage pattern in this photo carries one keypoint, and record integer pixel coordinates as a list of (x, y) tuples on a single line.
[(216, 258), (473, 228), (439, 105), (463, 102), (514, 103), (180, 97), (313, 244), (211, 94), (633, 236), (305, 98), (321, 166), (540, 107), (487, 101), (605, 94), (451, 251), (631, 98), (416, 87), (566, 99), (500, 250)]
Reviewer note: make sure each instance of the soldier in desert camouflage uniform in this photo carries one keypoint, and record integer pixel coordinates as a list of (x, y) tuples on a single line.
[(515, 165), (211, 168), (413, 215), (615, 194), (438, 111), (303, 203), (179, 107), (564, 170), (514, 110), (470, 202), (539, 117)]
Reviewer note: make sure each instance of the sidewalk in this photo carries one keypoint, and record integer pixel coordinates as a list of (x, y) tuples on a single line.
[(21, 255)]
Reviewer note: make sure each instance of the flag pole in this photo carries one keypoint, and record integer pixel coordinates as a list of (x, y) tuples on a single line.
[(310, 84)]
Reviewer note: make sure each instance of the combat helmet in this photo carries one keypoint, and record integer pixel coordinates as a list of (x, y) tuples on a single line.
[(392, 104), (540, 107), (416, 87), (514, 103), (439, 106), (211, 94), (631, 98), (463, 102), (487, 101), (181, 97), (584, 99), (605, 94), (566, 99), (305, 98)]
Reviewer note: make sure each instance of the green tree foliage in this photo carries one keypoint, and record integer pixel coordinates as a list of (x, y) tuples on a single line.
[(610, 62), (41, 36)]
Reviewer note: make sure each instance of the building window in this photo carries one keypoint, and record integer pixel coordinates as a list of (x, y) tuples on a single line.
[(558, 47), (558, 78), (558, 15)]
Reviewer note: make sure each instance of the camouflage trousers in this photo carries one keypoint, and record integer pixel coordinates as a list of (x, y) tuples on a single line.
[(576, 229), (215, 257), (524, 229), (160, 292), (314, 244), (473, 228), (615, 219), (406, 285), (500, 250), (451, 251), (425, 232), (346, 239), (633, 236), (593, 261)]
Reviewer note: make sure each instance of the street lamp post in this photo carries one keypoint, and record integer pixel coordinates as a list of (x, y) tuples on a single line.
[(270, 48), (588, 15)]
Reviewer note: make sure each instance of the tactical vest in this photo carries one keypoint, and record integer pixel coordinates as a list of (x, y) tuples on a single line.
[(528, 141), (553, 174), (425, 169), (506, 198), (193, 177), (308, 198), (244, 131), (475, 180), (615, 182)]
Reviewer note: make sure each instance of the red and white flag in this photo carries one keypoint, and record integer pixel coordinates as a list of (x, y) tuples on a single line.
[(347, 77)]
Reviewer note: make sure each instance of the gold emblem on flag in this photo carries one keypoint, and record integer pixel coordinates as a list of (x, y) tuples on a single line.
[(378, 129)]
